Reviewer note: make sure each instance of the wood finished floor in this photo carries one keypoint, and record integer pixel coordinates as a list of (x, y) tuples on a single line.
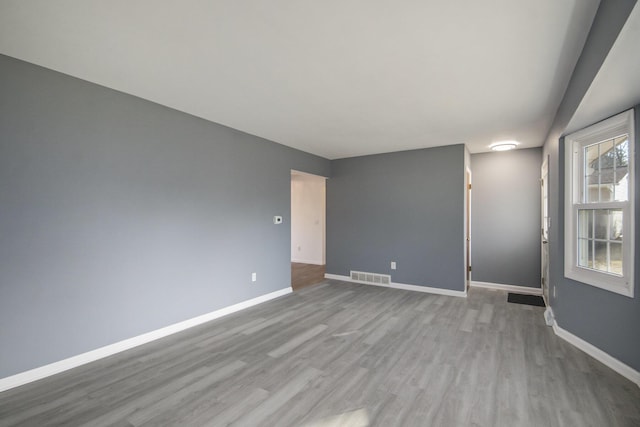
[(343, 354), (303, 275)]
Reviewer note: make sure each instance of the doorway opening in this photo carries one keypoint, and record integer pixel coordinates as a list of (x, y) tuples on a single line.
[(308, 229)]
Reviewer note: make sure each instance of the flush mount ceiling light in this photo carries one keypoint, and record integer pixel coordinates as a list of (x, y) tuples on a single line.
[(504, 145)]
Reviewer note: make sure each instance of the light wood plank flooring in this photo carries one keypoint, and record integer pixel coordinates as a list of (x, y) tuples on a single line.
[(303, 275), (343, 354)]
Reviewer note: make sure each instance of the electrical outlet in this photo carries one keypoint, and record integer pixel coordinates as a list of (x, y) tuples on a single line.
[(254, 277), (393, 265)]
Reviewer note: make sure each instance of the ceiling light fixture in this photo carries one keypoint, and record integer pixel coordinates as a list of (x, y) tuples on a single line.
[(504, 145)]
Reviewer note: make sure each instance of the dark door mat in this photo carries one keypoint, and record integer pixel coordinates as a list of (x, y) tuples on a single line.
[(526, 299)]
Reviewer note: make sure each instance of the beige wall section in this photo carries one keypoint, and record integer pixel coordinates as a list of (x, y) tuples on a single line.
[(308, 207)]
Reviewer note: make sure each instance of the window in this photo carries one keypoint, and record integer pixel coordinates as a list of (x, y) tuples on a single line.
[(599, 200)]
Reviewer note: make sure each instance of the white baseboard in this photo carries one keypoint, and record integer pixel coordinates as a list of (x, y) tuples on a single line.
[(593, 351), (90, 356), (509, 288), (416, 288), (548, 315), (307, 261)]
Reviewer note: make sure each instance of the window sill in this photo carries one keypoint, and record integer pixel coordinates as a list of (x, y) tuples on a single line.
[(615, 284)]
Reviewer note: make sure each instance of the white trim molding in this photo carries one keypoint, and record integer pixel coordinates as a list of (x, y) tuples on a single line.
[(108, 350), (593, 351), (416, 288), (509, 288)]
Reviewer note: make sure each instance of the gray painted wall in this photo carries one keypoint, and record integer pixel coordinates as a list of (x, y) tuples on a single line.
[(609, 321), (119, 216), (505, 217), (406, 207)]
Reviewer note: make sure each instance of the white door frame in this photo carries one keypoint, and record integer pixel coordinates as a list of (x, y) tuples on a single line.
[(545, 223), (320, 221), (467, 227)]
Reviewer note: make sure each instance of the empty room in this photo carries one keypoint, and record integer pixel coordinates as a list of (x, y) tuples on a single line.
[(336, 213)]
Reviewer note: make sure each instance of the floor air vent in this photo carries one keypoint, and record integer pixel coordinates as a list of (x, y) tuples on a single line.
[(376, 279)]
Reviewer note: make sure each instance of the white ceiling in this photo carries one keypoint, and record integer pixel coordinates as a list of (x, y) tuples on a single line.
[(334, 78), (616, 87)]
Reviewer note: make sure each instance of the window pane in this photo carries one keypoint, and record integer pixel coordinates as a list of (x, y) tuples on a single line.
[(600, 239), (607, 173), (600, 262), (622, 151), (621, 185), (591, 172), (606, 166), (606, 190), (583, 253), (601, 223), (607, 155), (585, 220), (615, 225), (592, 191), (615, 251)]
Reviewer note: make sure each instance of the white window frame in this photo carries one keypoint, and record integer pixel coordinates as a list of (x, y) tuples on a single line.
[(574, 163)]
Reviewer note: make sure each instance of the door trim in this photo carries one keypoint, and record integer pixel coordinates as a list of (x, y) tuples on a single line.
[(467, 227), (544, 229)]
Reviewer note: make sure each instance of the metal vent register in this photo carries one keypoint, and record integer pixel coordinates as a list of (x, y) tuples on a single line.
[(376, 279)]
